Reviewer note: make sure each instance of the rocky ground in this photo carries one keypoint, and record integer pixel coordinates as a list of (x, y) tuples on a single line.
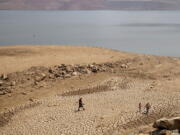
[(43, 99)]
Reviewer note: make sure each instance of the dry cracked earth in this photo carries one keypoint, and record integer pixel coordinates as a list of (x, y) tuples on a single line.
[(111, 101)]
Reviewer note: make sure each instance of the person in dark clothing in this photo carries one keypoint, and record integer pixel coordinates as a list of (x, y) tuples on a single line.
[(147, 106), (81, 105), (140, 107)]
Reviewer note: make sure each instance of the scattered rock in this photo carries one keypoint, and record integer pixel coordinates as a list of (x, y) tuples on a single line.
[(88, 71), (43, 75), (2, 93), (161, 132), (1, 83), (40, 77), (67, 76), (124, 66), (41, 84), (9, 95), (50, 71), (35, 83), (95, 69), (51, 76), (8, 91), (165, 132), (69, 69), (24, 93), (4, 76), (57, 75), (74, 74), (90, 66), (169, 124), (31, 99), (13, 83), (62, 73)]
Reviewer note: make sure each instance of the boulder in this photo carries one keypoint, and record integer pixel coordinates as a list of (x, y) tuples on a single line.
[(161, 132), (94, 69), (165, 132), (74, 74), (169, 124), (67, 76)]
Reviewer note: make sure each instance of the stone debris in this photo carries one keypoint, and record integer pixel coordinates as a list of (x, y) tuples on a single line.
[(4, 77), (2, 93), (9, 95), (31, 99), (124, 66), (74, 74), (24, 93), (34, 76), (13, 83), (1, 83)]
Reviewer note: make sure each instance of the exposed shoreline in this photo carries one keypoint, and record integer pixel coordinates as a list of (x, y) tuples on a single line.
[(112, 83)]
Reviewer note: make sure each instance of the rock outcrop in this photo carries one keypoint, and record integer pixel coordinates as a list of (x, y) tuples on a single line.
[(168, 124), (38, 76)]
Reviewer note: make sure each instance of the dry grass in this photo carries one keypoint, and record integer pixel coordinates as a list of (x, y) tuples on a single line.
[(18, 58)]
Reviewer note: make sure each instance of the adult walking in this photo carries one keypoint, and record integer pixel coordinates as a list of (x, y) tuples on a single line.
[(140, 107), (81, 104), (147, 107)]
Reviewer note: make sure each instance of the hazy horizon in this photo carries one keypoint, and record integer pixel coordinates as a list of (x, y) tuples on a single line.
[(89, 4)]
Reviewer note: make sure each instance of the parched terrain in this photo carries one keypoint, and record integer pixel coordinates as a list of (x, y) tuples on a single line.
[(43, 99)]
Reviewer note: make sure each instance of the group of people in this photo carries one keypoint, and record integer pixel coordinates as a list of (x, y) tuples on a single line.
[(147, 106)]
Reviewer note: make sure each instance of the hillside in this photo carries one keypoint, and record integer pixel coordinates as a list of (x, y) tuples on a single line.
[(40, 87), (90, 4)]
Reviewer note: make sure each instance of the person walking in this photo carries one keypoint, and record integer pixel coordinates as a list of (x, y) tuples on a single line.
[(81, 104), (140, 107), (147, 107)]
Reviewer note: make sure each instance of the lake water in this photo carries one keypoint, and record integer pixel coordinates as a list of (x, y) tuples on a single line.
[(150, 32)]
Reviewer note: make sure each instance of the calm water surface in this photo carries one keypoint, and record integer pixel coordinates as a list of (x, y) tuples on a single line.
[(150, 32)]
